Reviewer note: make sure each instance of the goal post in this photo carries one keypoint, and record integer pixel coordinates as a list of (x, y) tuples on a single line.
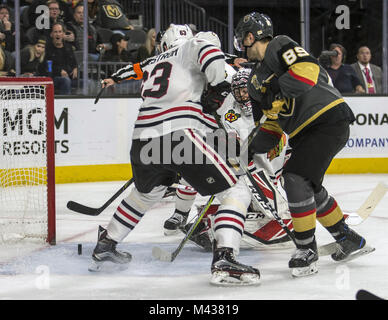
[(27, 159)]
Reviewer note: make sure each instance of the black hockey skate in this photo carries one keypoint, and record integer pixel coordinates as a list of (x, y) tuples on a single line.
[(105, 250), (304, 261), (350, 246), (200, 235), (227, 271), (175, 222)]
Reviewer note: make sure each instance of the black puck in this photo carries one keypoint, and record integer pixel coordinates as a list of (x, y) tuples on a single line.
[(79, 248)]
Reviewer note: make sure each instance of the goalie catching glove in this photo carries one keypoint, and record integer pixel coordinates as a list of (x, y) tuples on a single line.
[(214, 96)]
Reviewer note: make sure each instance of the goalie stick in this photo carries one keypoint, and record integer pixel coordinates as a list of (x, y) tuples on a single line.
[(164, 255), (266, 205)]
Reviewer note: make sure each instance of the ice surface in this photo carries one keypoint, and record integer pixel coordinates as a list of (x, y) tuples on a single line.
[(58, 272)]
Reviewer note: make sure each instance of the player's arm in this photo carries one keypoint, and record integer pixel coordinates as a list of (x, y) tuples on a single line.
[(133, 71), (211, 61), (302, 70)]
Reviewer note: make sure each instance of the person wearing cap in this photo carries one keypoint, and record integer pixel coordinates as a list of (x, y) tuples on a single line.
[(33, 62), (119, 52)]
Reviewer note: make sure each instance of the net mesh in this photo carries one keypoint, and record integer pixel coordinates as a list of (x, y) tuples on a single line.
[(23, 163)]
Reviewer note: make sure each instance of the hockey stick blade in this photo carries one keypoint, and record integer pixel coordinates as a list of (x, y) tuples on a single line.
[(163, 255), (366, 295), (372, 201), (80, 208)]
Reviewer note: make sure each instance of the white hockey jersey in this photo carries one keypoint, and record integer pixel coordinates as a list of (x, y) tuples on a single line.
[(172, 86)]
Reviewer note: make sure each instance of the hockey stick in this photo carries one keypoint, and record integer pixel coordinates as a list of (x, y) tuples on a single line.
[(366, 295), (164, 255), (264, 201), (80, 208), (364, 212), (372, 201), (100, 92)]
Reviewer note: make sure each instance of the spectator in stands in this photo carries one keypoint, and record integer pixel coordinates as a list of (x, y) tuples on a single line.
[(7, 29), (119, 52), (56, 14), (77, 27), (7, 63), (193, 28), (343, 75), (109, 14), (61, 12), (33, 62), (369, 74), (149, 48), (64, 65)]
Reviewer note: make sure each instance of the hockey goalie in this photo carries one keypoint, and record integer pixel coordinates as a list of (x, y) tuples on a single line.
[(260, 227)]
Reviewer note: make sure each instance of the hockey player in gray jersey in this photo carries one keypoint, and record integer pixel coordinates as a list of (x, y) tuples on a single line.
[(293, 91), (171, 118)]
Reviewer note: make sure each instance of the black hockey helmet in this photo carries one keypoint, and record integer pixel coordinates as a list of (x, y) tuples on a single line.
[(260, 25)]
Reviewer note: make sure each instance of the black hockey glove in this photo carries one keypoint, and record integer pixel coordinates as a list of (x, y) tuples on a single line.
[(213, 97), (270, 91)]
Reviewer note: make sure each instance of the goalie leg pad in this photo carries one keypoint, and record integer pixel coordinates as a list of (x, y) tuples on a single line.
[(131, 210)]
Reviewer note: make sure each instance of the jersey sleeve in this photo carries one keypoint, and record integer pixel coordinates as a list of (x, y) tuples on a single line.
[(211, 61), (130, 72), (301, 70)]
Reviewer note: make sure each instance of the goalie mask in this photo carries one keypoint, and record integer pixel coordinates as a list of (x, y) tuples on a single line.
[(239, 88), (175, 35)]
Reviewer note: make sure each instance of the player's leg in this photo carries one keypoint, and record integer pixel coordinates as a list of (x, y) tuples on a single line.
[(151, 181), (127, 215), (330, 215), (183, 202), (218, 178)]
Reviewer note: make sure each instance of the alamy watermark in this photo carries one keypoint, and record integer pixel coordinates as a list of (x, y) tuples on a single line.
[(190, 147)]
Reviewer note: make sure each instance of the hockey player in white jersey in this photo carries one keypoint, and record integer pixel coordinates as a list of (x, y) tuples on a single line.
[(236, 115), (171, 117)]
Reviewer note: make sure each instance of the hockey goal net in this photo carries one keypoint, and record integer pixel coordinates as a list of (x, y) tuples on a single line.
[(27, 169)]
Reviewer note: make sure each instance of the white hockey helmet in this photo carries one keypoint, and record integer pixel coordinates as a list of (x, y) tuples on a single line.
[(175, 35), (209, 36)]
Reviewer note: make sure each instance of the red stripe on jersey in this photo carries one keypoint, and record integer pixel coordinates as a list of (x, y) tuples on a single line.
[(204, 146), (183, 108), (303, 214), (189, 193), (121, 211), (297, 77), (207, 53), (221, 219)]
